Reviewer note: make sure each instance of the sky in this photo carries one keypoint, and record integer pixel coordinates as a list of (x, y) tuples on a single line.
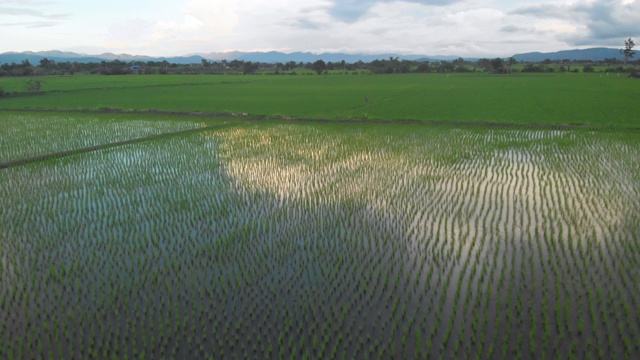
[(472, 28)]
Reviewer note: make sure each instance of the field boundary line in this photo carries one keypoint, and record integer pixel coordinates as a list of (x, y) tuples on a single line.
[(64, 91), (249, 117), (88, 149)]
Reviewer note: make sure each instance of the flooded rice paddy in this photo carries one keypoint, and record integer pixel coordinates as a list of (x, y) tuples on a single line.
[(327, 241)]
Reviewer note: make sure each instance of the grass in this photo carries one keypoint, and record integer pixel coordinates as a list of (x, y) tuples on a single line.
[(556, 99)]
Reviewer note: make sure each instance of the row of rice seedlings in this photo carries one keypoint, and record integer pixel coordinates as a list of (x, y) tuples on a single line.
[(25, 136), (530, 242), (293, 241)]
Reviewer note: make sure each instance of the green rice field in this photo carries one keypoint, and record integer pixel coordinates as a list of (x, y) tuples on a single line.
[(574, 99), (290, 238)]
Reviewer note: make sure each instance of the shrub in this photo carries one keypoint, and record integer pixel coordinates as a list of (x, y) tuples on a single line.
[(34, 86)]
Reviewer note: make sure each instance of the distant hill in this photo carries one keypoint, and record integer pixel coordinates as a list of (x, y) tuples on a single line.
[(275, 57), (59, 56), (266, 57), (34, 58), (593, 54)]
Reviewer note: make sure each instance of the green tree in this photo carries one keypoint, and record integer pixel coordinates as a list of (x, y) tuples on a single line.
[(485, 64), (445, 67), (628, 50), (291, 65), (460, 65), (27, 68), (319, 66), (424, 67), (46, 63), (250, 67), (512, 61), (498, 65)]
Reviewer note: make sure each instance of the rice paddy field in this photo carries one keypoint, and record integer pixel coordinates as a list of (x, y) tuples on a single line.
[(542, 99), (256, 239)]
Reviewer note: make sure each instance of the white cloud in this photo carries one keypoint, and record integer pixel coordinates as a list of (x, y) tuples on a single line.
[(352, 10), (587, 22), (448, 27)]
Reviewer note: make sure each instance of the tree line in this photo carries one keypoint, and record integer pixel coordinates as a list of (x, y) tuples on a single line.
[(392, 65)]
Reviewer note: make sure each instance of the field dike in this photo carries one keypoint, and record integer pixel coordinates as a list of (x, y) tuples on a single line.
[(9, 129), (64, 153), (293, 119)]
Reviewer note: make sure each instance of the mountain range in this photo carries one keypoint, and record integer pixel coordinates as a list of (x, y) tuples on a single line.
[(593, 54), (275, 57)]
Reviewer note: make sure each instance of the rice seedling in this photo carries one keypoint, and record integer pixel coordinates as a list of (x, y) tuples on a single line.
[(325, 240)]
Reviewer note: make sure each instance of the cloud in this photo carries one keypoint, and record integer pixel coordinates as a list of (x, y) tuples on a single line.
[(131, 29), (512, 29), (28, 2), (352, 10), (588, 23), (28, 14), (31, 25), (402, 27), (305, 23), (349, 10), (10, 11), (468, 28), (195, 24), (308, 18)]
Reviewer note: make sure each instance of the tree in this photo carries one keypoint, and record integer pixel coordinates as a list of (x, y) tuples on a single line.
[(236, 65), (291, 65), (165, 67), (27, 69), (485, 64), (460, 65), (250, 68), (424, 67), (46, 63), (498, 65), (445, 67), (512, 61), (319, 66), (628, 50)]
